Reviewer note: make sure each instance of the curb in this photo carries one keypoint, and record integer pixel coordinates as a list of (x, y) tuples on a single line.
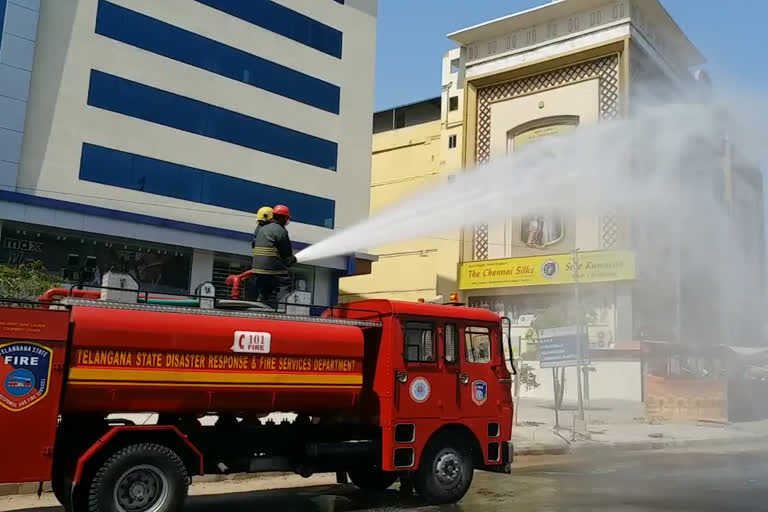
[(669, 444), (551, 449), (590, 447)]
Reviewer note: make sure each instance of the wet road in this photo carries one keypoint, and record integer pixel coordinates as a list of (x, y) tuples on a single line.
[(675, 481), (718, 480)]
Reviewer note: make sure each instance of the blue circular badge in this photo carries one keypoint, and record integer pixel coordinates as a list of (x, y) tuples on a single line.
[(20, 383)]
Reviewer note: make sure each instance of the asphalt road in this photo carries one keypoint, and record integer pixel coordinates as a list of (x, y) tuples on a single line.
[(732, 479)]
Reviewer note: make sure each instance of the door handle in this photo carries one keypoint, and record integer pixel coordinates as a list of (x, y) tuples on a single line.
[(464, 378), (402, 377)]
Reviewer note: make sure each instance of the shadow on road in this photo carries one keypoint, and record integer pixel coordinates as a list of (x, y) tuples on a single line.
[(333, 498)]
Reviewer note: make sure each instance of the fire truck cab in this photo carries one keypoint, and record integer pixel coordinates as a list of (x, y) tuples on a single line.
[(381, 391)]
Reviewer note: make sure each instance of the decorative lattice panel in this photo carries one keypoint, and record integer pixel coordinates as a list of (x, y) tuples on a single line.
[(609, 231), (606, 69), (480, 242)]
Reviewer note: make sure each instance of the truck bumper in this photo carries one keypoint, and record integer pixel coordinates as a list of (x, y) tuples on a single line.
[(507, 456)]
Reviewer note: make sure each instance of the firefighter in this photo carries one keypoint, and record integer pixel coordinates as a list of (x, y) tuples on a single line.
[(263, 217), (272, 256)]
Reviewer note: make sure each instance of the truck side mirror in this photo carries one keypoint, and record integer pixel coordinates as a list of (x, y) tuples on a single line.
[(506, 336)]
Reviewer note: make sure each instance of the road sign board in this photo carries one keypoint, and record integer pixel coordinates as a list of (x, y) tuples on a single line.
[(559, 347)]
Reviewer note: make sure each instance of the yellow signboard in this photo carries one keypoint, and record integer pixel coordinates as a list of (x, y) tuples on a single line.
[(594, 267)]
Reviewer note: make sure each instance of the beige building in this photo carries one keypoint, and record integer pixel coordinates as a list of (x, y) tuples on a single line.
[(144, 135), (542, 73)]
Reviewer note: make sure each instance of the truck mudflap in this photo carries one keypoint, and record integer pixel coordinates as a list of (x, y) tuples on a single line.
[(507, 456), (103, 442)]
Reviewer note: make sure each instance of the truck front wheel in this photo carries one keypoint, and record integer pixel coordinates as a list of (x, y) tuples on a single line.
[(139, 478), (445, 471)]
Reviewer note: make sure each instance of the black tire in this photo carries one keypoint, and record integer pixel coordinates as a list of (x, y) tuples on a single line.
[(372, 479), (445, 470), (59, 485), (139, 478)]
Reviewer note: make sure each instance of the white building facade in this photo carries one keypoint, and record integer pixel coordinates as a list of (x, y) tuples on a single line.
[(145, 134)]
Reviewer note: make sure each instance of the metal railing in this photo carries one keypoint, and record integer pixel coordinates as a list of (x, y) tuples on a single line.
[(192, 301)]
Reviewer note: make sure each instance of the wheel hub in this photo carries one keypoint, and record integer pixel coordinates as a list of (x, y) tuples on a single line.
[(138, 491), (447, 468), (141, 489)]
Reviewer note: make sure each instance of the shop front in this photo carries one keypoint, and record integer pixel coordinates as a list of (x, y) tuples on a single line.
[(83, 258), (527, 288)]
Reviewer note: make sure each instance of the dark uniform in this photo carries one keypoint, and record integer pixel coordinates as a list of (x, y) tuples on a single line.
[(259, 225), (272, 256)]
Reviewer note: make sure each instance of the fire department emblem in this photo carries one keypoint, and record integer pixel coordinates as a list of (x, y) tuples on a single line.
[(25, 370), (479, 392), (420, 390)]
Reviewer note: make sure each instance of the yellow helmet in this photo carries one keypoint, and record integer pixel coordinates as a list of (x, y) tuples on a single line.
[(264, 213)]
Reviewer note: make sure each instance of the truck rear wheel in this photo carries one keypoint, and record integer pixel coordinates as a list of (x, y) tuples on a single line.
[(58, 483), (445, 471), (372, 479), (139, 478), (61, 485)]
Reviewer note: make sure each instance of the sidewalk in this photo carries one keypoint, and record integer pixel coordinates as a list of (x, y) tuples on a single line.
[(618, 425)]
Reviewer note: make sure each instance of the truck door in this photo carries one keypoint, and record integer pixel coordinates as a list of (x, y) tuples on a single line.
[(425, 380), (32, 353), (478, 376)]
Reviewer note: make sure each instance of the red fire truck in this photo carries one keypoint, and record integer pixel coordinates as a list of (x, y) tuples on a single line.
[(381, 390)]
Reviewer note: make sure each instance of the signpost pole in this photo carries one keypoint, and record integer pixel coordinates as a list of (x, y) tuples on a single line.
[(555, 386), (579, 321)]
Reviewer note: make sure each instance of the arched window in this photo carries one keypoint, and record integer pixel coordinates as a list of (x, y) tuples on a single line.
[(540, 229)]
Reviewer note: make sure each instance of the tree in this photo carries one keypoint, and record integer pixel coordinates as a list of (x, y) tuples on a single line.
[(525, 376), (27, 281)]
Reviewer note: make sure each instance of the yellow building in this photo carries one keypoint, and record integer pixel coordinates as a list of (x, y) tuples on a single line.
[(415, 146), (541, 73)]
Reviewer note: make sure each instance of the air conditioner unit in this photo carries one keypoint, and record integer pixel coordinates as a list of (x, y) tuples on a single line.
[(600, 337)]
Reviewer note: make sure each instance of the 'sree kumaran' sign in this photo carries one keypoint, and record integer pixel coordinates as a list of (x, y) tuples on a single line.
[(594, 267)]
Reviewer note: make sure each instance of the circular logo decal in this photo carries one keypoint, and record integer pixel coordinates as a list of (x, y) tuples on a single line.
[(550, 269), (419, 389), (19, 383)]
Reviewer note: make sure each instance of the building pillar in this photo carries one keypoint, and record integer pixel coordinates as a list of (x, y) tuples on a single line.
[(202, 268), (624, 331), (324, 287)]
